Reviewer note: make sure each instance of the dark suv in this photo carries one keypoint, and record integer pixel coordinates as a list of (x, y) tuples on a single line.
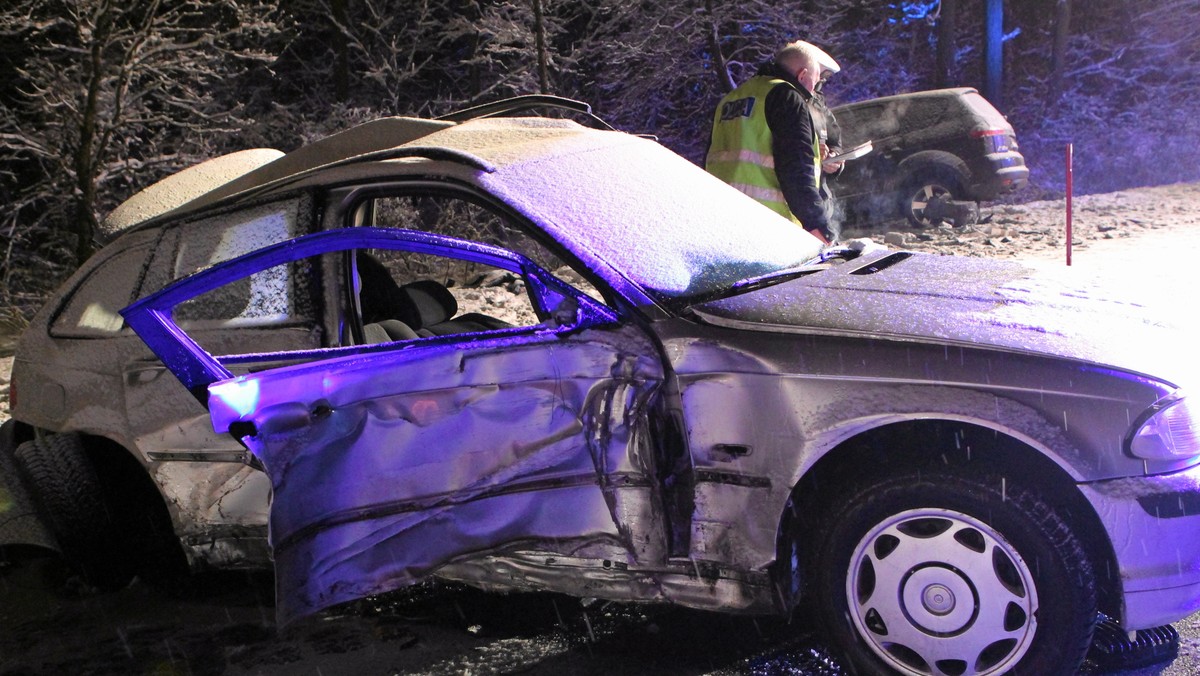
[(942, 145)]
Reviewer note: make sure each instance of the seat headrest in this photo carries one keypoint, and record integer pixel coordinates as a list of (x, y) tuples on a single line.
[(432, 301), (379, 296)]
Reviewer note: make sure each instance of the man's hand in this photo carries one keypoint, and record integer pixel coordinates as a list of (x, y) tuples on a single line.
[(829, 167)]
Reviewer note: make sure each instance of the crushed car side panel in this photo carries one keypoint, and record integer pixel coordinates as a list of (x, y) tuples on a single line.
[(386, 466)]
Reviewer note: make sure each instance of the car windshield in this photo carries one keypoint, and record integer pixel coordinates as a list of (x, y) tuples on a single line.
[(654, 219)]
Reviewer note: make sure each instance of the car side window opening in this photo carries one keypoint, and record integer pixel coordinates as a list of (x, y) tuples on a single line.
[(456, 216), (92, 310), (404, 295)]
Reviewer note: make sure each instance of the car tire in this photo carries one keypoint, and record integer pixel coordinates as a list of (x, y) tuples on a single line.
[(943, 572), (918, 191), (8, 447), (65, 488)]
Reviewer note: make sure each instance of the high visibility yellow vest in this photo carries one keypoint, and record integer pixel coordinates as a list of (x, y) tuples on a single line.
[(740, 153)]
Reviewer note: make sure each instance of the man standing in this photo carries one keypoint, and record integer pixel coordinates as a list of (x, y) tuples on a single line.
[(766, 143)]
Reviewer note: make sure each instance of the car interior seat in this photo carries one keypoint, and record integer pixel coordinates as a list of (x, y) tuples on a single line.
[(380, 297), (387, 330), (418, 309), (437, 308), (387, 313)]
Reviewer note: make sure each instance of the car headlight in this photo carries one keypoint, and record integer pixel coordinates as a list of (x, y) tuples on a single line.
[(1169, 431)]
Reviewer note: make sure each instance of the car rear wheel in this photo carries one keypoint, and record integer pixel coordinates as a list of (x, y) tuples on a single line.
[(917, 194), (64, 486), (952, 574)]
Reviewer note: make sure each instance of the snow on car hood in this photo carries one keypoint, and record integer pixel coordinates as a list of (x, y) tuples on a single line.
[(977, 301)]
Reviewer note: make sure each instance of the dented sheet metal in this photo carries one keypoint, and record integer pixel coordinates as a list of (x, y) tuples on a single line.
[(386, 466)]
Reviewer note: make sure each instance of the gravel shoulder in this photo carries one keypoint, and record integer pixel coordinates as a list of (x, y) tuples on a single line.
[(1141, 228)]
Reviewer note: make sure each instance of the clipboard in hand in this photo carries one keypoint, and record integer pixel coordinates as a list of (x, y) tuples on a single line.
[(851, 154)]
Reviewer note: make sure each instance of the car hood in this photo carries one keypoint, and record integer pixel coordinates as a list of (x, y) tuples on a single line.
[(1026, 307)]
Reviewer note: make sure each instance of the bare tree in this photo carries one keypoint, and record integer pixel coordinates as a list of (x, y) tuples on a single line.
[(543, 60), (108, 93), (661, 67), (1062, 32), (1126, 98), (517, 48), (384, 55), (947, 35)]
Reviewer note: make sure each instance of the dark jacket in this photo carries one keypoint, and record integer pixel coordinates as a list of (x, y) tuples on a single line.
[(830, 132), (792, 130)]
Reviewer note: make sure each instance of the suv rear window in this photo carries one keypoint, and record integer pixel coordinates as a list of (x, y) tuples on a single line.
[(987, 111), (877, 121), (920, 113)]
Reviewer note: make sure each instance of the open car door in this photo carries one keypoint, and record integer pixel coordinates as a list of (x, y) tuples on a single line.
[(389, 460)]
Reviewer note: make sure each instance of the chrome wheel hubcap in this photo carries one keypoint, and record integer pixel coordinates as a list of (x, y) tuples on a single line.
[(921, 199), (938, 592)]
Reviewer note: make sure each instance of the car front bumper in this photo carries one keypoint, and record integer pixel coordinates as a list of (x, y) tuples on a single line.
[(1153, 524)]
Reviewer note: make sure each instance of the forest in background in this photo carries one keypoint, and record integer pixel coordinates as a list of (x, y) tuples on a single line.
[(104, 97)]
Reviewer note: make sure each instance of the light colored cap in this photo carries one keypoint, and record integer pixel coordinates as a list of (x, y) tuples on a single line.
[(826, 61)]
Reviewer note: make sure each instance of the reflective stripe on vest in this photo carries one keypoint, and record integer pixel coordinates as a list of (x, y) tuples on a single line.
[(764, 195), (743, 155)]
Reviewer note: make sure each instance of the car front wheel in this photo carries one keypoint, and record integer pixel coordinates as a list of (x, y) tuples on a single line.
[(945, 573)]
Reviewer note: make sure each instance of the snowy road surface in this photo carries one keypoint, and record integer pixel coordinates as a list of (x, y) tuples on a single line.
[(449, 631)]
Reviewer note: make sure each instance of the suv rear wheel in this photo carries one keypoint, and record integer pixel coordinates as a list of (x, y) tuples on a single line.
[(922, 187), (917, 198)]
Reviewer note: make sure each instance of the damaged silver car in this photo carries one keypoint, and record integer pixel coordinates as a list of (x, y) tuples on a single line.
[(955, 464)]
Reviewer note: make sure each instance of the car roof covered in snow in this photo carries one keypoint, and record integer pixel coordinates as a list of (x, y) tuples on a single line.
[(479, 144), (928, 94)]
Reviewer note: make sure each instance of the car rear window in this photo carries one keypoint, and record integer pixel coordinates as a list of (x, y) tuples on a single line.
[(264, 298), (987, 111)]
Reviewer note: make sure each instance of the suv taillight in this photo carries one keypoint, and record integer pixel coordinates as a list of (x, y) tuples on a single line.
[(996, 140)]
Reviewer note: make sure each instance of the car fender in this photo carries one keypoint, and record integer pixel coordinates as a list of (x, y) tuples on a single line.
[(1029, 448), (1003, 415), (832, 443)]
